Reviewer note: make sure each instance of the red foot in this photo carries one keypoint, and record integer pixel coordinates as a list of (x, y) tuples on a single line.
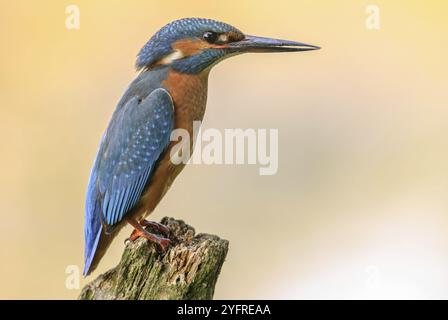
[(162, 242), (139, 231), (158, 226)]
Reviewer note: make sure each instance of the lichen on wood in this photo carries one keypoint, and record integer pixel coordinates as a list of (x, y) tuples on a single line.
[(188, 270)]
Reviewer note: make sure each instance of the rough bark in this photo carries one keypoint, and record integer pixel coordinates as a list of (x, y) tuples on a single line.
[(188, 270)]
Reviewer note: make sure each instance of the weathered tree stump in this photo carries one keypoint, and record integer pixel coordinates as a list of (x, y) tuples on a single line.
[(188, 270)]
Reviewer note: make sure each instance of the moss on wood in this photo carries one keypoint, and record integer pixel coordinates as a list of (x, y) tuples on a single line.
[(188, 270)]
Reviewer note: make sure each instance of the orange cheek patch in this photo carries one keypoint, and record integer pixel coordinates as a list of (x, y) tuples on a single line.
[(190, 47)]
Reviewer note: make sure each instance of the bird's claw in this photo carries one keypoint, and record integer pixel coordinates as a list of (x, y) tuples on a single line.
[(163, 243), (163, 229)]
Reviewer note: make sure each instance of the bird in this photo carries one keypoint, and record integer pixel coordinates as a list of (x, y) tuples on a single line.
[(132, 170)]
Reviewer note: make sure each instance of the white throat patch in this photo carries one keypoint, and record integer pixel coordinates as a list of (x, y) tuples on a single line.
[(175, 55)]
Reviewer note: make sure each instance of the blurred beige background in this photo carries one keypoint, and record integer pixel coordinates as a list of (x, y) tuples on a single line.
[(359, 206)]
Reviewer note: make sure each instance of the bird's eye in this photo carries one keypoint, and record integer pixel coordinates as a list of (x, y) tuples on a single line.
[(210, 36)]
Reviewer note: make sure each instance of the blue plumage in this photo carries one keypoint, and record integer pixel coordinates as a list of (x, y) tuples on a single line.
[(193, 28), (136, 137), (177, 59)]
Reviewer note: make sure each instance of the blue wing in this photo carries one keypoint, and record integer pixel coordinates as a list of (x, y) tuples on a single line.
[(136, 137)]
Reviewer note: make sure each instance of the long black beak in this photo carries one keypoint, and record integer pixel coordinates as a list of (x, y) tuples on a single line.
[(260, 44)]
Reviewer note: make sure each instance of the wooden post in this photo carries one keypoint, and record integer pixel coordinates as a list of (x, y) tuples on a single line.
[(188, 270)]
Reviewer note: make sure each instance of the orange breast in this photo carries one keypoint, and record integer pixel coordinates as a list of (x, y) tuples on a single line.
[(189, 93)]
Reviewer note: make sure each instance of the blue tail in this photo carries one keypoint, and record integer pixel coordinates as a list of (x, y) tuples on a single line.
[(92, 223), (89, 252)]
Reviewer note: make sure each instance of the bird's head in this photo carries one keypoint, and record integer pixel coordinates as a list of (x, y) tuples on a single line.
[(192, 45)]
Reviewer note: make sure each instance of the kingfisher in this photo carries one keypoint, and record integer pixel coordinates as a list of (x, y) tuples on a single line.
[(133, 170)]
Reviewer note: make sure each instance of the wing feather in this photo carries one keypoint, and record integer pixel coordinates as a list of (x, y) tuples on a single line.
[(127, 163), (137, 135)]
